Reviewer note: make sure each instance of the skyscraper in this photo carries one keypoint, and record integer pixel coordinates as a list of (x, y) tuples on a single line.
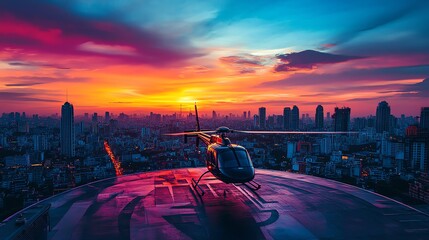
[(106, 117), (424, 117), (294, 118), (382, 117), (95, 117), (342, 119), (319, 117), (262, 117), (67, 130), (286, 118)]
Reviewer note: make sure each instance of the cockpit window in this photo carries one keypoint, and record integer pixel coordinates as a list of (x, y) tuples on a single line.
[(227, 158)]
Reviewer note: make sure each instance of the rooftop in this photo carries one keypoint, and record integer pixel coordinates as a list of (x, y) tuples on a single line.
[(162, 204)]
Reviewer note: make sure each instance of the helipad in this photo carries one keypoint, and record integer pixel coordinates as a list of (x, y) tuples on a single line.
[(163, 205)]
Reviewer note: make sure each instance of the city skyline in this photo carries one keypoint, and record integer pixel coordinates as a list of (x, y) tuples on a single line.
[(312, 114), (226, 55)]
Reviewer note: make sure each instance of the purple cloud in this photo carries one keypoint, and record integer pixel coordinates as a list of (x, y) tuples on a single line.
[(308, 59), (7, 96), (350, 76), (420, 89), (44, 27), (246, 60), (245, 63), (31, 80), (36, 64)]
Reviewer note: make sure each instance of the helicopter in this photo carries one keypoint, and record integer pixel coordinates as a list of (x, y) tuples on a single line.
[(228, 162)]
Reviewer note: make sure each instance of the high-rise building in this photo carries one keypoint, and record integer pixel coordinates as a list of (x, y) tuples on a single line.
[(106, 117), (342, 119), (424, 118), (382, 117), (248, 114), (214, 115), (319, 117), (262, 117), (255, 120), (95, 117), (286, 118), (40, 143), (294, 118), (244, 114), (416, 151), (67, 130)]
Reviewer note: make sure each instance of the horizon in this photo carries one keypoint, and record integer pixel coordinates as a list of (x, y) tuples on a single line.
[(229, 56), (205, 112)]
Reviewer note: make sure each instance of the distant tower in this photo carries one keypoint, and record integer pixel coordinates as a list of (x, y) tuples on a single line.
[(244, 114), (248, 114), (294, 118), (214, 115), (286, 118), (106, 117), (319, 117), (262, 117), (67, 130), (424, 117), (95, 117), (382, 117), (342, 119)]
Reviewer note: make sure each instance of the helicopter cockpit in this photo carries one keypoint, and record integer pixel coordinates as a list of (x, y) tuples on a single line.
[(233, 157)]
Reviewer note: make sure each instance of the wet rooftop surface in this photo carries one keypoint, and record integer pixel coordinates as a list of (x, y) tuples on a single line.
[(163, 205)]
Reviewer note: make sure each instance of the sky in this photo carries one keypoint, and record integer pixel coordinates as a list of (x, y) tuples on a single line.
[(230, 56)]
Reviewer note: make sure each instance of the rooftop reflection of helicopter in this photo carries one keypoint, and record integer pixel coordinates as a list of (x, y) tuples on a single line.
[(229, 162)]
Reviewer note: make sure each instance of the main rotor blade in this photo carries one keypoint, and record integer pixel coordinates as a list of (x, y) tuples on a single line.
[(291, 132), (188, 133)]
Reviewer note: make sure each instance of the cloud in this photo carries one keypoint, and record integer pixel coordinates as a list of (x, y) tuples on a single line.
[(420, 89), (44, 27), (245, 63), (247, 70), (7, 96), (196, 69), (107, 49), (22, 84), (282, 103), (308, 59), (397, 30), (327, 46), (36, 64), (388, 17), (347, 77), (244, 60), (31, 80)]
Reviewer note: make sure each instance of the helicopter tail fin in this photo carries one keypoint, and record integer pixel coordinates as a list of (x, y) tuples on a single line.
[(198, 120)]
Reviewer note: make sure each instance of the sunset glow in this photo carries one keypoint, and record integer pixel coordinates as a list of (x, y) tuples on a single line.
[(138, 57)]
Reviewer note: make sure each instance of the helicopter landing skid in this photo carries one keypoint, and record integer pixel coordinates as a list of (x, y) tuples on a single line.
[(254, 185), (196, 186)]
